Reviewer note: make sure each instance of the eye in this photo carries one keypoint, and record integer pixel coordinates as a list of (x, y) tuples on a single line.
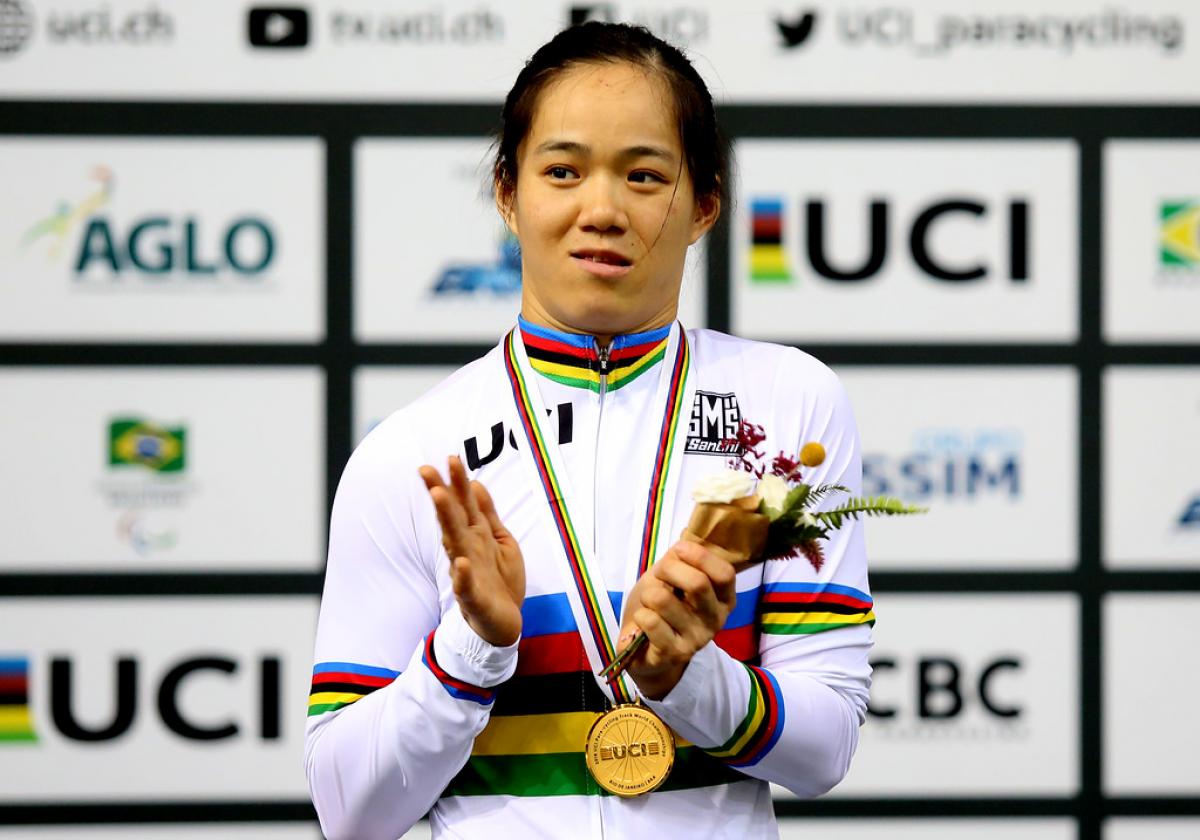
[(644, 177), (559, 173)]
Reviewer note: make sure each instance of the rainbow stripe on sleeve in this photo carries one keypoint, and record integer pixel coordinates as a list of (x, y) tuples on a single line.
[(761, 727), (790, 609), (338, 684), (455, 687)]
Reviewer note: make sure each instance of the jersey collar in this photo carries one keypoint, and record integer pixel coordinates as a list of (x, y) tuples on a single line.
[(573, 358)]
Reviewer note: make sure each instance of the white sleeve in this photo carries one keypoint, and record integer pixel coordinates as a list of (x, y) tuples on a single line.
[(401, 685), (794, 719)]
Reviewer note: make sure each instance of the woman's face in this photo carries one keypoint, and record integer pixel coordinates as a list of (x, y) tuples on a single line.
[(604, 208)]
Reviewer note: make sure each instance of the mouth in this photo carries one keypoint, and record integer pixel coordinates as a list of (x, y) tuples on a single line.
[(602, 264), (602, 257)]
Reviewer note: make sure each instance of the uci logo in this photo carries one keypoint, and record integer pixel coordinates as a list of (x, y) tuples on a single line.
[(261, 715), (476, 458), (769, 261)]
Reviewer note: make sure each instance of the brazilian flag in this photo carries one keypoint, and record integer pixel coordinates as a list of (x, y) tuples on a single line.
[(1179, 242), (132, 441)]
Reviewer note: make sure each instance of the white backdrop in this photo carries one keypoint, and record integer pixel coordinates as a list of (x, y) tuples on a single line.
[(233, 238)]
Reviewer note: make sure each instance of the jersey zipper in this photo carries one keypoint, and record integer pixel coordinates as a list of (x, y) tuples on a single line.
[(602, 358)]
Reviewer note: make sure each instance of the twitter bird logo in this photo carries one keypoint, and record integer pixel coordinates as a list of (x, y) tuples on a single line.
[(796, 32)]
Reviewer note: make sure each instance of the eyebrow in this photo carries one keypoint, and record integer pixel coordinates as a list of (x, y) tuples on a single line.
[(583, 150)]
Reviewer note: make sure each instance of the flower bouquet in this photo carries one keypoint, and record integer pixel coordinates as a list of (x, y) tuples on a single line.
[(755, 511)]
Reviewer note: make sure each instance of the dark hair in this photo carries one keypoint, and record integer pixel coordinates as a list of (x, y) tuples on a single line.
[(705, 150)]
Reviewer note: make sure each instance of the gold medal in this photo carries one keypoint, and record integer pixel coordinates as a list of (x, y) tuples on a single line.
[(630, 750)]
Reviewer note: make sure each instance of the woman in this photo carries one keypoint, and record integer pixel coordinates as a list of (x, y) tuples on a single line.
[(467, 685)]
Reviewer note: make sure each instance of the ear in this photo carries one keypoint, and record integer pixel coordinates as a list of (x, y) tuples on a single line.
[(506, 199), (708, 209)]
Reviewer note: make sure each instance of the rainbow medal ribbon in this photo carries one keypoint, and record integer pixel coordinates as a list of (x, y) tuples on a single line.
[(629, 751)]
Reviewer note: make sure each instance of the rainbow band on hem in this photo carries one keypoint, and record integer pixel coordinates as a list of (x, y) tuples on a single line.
[(790, 609), (762, 726), (455, 688), (338, 684)]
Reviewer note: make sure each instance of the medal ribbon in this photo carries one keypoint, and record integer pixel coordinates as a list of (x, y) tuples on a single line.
[(589, 596), (662, 457)]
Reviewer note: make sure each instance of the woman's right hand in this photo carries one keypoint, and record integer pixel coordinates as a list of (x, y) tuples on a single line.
[(486, 567)]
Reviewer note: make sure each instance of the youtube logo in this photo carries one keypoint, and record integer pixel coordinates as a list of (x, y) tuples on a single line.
[(278, 26)]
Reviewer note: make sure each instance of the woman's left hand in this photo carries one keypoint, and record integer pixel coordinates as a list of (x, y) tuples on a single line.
[(680, 603)]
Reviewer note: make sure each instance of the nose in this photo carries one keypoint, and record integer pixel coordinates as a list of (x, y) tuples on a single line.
[(601, 209)]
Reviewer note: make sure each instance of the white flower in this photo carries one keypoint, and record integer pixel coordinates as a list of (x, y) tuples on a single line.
[(724, 487), (773, 491)]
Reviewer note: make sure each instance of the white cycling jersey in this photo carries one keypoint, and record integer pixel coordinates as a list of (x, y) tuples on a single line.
[(411, 710)]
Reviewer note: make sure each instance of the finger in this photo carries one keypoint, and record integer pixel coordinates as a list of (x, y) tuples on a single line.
[(683, 620), (696, 589), (488, 508), (720, 572), (430, 476), (462, 490), (664, 641), (461, 579), (677, 574), (451, 518)]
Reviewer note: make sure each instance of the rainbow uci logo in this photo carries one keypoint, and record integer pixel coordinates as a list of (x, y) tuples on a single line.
[(1179, 235), (16, 723), (768, 262)]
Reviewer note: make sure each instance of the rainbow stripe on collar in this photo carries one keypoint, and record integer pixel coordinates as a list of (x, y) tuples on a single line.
[(573, 358)]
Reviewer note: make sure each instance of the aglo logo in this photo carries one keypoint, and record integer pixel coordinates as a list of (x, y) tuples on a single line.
[(161, 245), (153, 247)]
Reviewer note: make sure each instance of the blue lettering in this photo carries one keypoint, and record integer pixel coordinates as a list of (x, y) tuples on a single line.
[(913, 468), (922, 475), (194, 266), (1008, 473), (97, 245), (166, 254), (1191, 515), (874, 476), (266, 246), (157, 245)]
